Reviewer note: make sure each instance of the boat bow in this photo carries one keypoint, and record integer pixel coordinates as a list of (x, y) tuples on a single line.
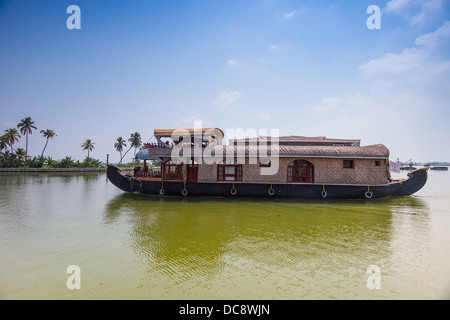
[(416, 180), (125, 182)]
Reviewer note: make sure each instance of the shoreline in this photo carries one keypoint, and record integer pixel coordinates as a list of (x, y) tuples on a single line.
[(41, 170)]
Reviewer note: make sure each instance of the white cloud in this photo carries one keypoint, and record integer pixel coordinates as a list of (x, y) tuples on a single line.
[(409, 91), (233, 62), (433, 39), (263, 116), (374, 117), (187, 122), (273, 47), (327, 105), (332, 102), (348, 116), (8, 124), (289, 15), (227, 98), (416, 11), (398, 5), (392, 63), (420, 63), (404, 107)]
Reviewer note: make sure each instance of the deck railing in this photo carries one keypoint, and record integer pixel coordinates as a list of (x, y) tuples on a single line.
[(158, 145), (147, 172), (171, 145)]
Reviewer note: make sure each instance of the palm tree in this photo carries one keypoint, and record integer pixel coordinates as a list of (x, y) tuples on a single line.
[(11, 136), (49, 161), (47, 134), (3, 142), (6, 154), (20, 153), (26, 127), (88, 145), (136, 142), (67, 162), (120, 143)]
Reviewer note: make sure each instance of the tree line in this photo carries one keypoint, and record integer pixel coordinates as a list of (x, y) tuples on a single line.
[(13, 158)]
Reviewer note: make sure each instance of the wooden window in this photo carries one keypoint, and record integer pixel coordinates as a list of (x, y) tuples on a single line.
[(301, 171), (229, 172), (377, 163), (173, 171), (349, 164)]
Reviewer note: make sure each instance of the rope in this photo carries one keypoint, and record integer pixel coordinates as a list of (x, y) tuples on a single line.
[(185, 174), (131, 183), (153, 136), (324, 193)]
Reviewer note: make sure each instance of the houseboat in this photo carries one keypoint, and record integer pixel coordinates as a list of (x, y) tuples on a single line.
[(195, 162)]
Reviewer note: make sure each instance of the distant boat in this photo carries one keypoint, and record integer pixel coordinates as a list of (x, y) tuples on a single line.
[(439, 168), (408, 168), (305, 167)]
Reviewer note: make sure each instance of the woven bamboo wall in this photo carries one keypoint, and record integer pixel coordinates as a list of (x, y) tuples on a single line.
[(325, 171), (207, 172), (252, 172), (364, 172)]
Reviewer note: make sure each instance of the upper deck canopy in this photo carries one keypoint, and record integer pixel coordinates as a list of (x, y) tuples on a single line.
[(204, 132)]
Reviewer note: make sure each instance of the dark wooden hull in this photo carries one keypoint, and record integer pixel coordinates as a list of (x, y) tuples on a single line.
[(128, 183), (416, 180)]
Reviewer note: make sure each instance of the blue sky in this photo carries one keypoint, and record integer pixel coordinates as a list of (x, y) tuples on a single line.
[(303, 67)]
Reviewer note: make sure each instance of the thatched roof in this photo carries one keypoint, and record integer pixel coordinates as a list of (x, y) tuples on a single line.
[(377, 151), (298, 140), (373, 151), (287, 146)]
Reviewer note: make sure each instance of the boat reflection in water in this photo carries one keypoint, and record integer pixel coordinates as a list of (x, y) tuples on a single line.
[(249, 249)]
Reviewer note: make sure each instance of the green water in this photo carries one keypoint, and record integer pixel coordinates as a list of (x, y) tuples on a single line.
[(131, 246)]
